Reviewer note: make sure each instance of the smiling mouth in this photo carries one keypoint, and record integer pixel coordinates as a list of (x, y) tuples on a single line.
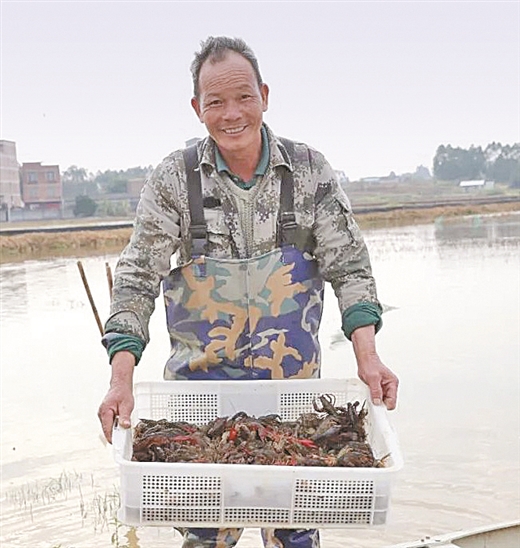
[(234, 130)]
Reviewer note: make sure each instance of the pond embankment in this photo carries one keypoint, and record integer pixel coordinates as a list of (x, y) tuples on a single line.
[(72, 240)]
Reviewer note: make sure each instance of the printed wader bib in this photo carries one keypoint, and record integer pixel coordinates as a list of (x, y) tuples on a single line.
[(255, 318), (245, 319)]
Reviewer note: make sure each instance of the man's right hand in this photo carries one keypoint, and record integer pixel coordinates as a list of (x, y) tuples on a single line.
[(119, 401)]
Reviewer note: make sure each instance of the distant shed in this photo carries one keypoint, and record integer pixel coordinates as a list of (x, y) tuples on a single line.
[(476, 184)]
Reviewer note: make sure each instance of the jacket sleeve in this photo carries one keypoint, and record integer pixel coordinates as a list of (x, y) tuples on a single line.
[(341, 251), (146, 259)]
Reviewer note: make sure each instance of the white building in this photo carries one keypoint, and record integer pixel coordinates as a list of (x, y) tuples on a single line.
[(476, 183), (9, 176)]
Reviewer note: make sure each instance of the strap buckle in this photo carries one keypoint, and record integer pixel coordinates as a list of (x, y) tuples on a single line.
[(287, 227)]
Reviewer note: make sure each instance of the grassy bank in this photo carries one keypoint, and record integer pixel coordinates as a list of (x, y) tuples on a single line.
[(403, 217), (40, 245), (101, 242)]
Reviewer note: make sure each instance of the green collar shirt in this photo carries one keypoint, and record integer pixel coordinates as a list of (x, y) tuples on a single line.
[(260, 170)]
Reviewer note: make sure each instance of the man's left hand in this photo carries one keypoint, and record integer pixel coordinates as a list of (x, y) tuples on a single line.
[(381, 382)]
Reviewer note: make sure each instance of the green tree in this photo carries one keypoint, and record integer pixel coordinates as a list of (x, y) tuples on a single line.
[(85, 206), (505, 170), (457, 163), (74, 174), (116, 182), (503, 163)]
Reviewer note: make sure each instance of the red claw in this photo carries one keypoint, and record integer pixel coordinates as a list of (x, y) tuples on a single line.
[(233, 434), (307, 443)]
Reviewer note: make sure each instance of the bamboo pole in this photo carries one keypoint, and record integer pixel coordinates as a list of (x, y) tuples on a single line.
[(90, 298), (109, 279)]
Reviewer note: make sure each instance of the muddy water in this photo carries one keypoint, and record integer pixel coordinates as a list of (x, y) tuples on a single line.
[(452, 333)]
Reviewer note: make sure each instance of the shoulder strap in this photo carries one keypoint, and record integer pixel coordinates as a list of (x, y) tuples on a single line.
[(286, 219), (197, 223), (289, 233)]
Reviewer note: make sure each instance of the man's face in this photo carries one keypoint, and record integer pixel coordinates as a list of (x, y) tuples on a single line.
[(231, 104)]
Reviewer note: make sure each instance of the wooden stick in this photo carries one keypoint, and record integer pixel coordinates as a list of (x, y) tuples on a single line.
[(90, 298), (109, 278)]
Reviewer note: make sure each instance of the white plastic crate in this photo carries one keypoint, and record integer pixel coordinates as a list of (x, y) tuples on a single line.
[(238, 495)]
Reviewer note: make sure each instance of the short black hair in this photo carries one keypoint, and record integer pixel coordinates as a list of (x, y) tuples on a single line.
[(215, 49)]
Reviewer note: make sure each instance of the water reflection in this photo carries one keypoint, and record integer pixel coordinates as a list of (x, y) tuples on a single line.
[(496, 230), (35, 287)]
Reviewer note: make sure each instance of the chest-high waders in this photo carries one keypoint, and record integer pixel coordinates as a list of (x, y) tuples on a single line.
[(256, 318)]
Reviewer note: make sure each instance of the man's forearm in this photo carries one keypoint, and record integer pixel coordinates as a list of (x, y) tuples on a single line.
[(364, 342), (119, 400), (123, 365)]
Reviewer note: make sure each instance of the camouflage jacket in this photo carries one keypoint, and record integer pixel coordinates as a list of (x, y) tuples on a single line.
[(241, 224)]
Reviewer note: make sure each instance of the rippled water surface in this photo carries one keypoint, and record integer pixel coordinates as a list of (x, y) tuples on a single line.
[(451, 333)]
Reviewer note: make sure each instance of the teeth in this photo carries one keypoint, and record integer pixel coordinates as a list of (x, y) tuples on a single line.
[(234, 130)]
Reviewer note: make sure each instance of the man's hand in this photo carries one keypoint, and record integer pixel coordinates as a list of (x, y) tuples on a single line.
[(381, 382), (119, 401)]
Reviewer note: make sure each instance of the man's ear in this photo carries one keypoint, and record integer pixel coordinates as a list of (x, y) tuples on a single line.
[(196, 107), (264, 91)]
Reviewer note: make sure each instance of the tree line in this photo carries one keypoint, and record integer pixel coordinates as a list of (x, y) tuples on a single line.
[(496, 162), (109, 181), (91, 188)]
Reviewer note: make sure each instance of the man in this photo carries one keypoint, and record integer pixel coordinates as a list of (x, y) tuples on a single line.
[(259, 224)]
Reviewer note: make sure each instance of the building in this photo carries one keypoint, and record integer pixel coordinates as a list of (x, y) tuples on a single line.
[(41, 186), (370, 180), (476, 184), (10, 195)]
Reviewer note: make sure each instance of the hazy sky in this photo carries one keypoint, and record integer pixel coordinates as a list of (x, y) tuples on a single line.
[(376, 86)]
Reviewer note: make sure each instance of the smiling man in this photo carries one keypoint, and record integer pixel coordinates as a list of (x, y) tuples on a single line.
[(258, 224), (230, 100)]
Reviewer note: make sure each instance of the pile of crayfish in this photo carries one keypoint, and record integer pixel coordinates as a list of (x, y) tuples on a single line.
[(332, 436)]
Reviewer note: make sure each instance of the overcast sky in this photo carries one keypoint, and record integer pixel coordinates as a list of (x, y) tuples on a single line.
[(376, 86)]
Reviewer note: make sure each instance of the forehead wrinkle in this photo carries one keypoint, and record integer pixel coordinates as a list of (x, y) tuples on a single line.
[(236, 76), (225, 80), (222, 92)]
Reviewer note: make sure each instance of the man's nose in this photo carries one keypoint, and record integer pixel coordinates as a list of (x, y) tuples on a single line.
[(231, 110)]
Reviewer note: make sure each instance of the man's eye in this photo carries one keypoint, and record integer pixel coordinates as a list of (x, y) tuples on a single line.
[(215, 103), (246, 96)]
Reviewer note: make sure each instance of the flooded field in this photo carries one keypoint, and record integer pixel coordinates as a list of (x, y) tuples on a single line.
[(451, 333)]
